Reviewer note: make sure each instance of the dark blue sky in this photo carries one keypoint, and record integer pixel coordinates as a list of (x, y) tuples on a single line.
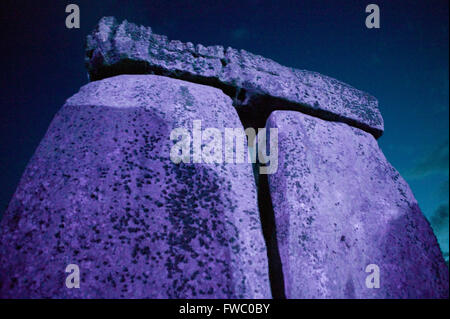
[(404, 64)]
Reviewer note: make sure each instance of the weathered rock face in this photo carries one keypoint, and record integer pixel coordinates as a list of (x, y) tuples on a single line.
[(101, 192), (253, 80), (339, 206)]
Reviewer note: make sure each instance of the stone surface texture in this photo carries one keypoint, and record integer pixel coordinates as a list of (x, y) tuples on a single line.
[(340, 206), (102, 193), (115, 48)]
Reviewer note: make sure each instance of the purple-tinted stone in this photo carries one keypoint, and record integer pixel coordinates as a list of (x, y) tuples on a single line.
[(114, 48), (340, 206), (101, 192)]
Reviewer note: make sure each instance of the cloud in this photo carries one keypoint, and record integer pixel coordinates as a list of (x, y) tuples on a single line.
[(444, 189), (435, 162), (439, 220), (239, 34)]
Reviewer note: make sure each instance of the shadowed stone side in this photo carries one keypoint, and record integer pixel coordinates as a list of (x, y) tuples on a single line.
[(101, 192), (114, 48), (340, 206)]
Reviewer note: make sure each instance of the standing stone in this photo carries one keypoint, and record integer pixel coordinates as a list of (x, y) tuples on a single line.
[(339, 206), (101, 192)]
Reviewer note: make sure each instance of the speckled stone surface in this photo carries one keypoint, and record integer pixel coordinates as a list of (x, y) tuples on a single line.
[(340, 206), (101, 192), (118, 48)]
